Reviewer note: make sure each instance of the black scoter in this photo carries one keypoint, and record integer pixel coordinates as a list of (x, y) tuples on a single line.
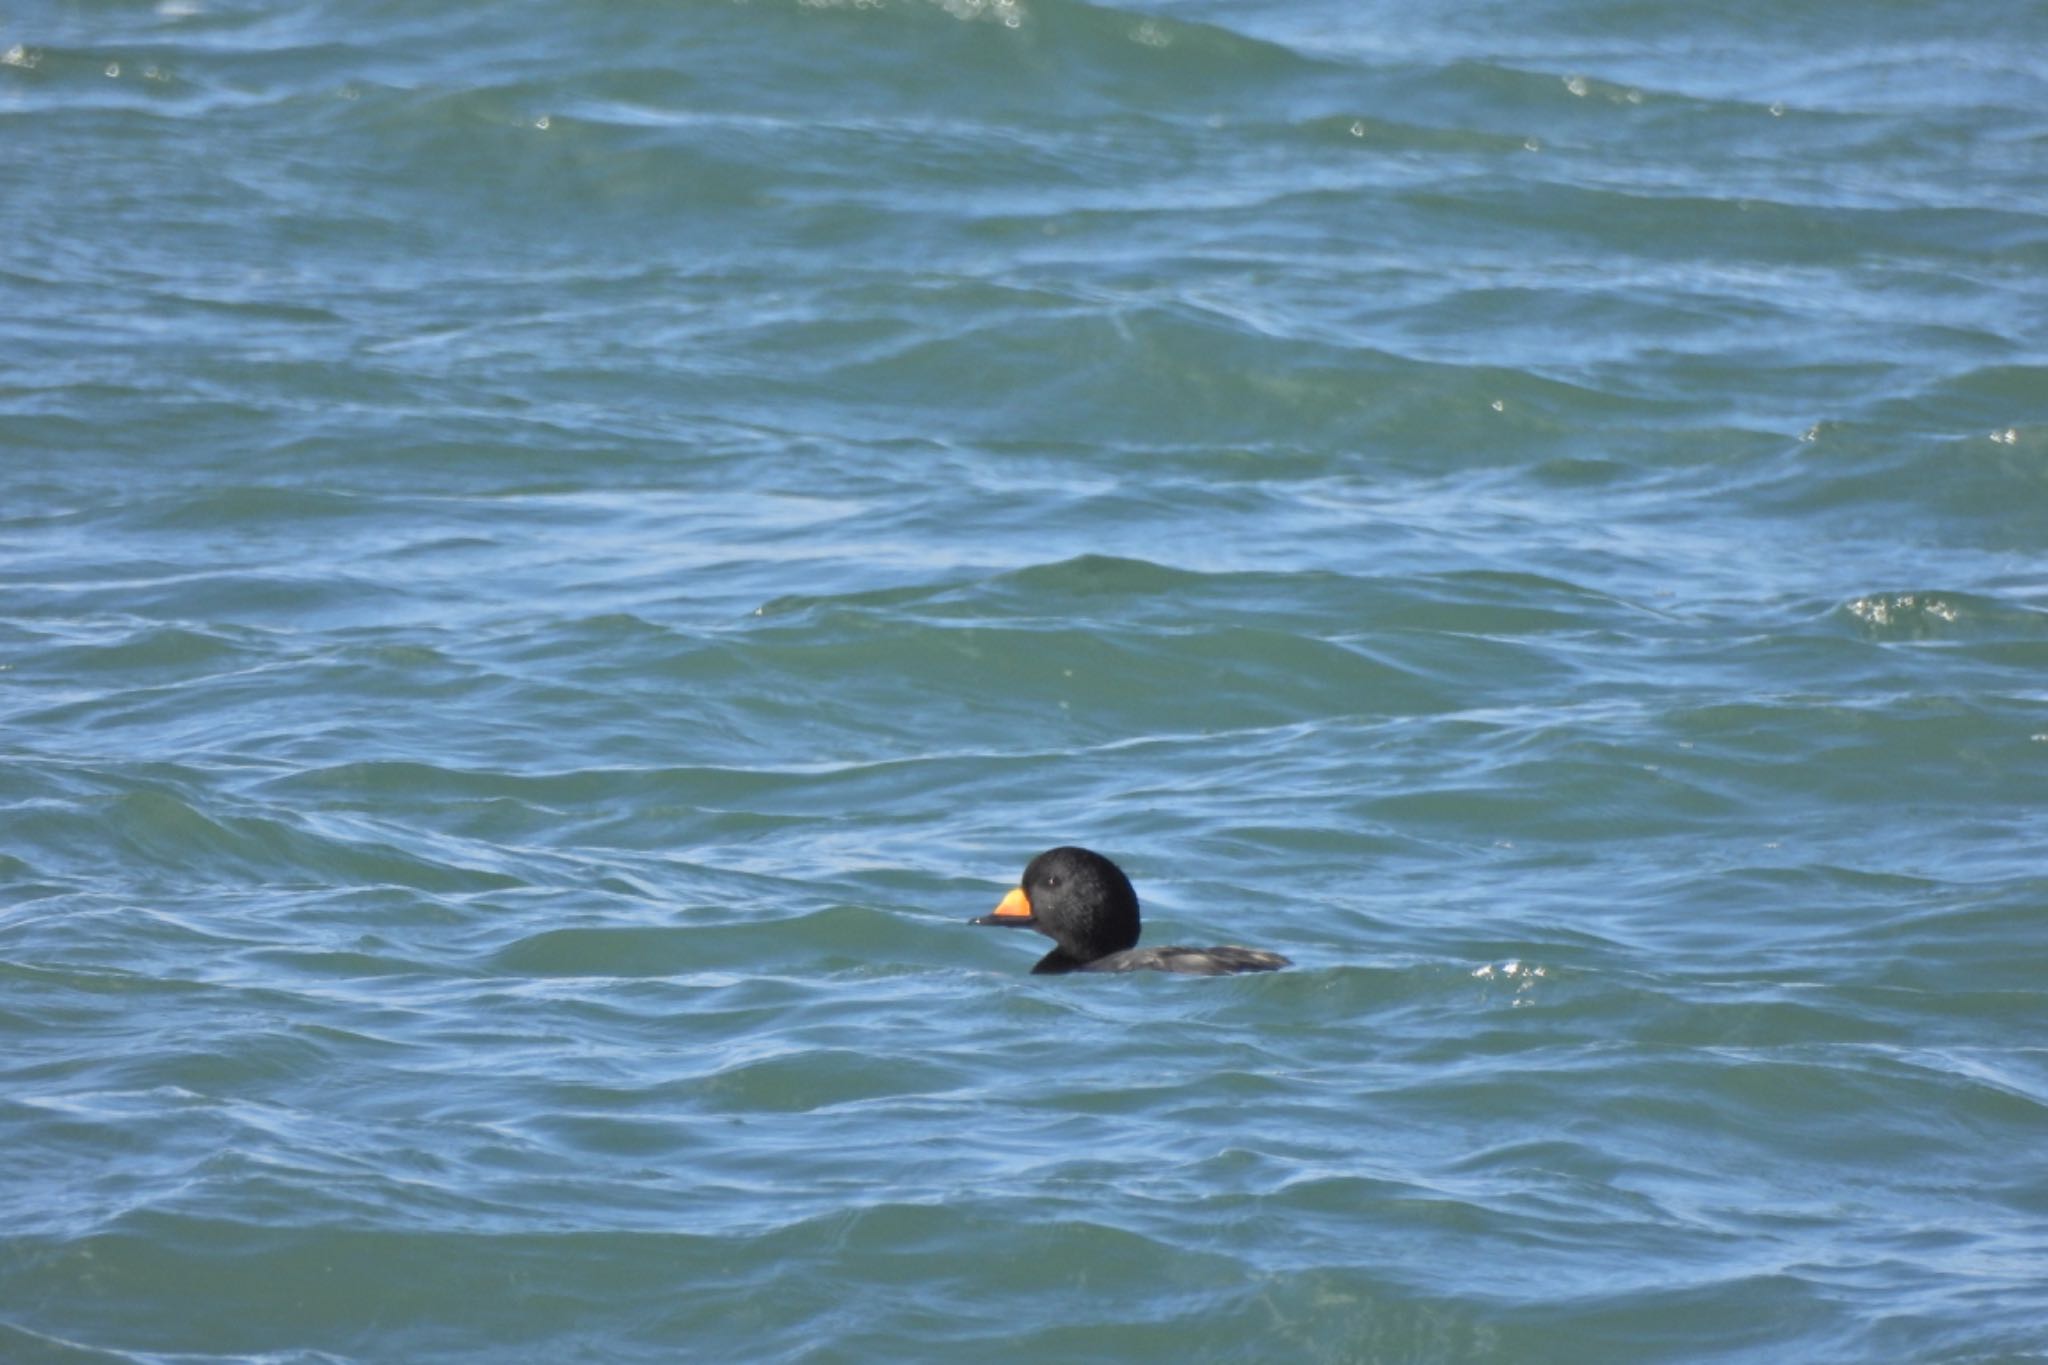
[(1084, 903)]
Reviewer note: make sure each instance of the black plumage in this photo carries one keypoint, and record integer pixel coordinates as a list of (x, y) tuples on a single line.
[(1085, 904)]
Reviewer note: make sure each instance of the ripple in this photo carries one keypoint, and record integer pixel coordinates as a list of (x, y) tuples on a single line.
[(1914, 616), (550, 569)]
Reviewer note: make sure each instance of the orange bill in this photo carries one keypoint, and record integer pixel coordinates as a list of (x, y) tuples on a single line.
[(1014, 909)]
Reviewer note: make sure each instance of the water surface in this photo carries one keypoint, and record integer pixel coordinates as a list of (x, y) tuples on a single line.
[(552, 555)]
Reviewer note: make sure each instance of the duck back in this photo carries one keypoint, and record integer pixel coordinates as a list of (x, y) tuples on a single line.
[(1218, 961)]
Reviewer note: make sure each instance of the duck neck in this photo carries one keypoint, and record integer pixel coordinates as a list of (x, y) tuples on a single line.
[(1056, 961)]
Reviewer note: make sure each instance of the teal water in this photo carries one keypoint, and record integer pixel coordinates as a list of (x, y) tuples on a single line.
[(551, 556)]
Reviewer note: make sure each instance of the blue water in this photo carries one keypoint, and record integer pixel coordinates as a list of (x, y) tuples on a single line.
[(551, 556)]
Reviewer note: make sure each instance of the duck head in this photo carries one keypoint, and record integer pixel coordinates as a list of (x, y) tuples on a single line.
[(1080, 900)]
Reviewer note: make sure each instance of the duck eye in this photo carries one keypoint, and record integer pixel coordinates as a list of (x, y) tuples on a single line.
[(1053, 880)]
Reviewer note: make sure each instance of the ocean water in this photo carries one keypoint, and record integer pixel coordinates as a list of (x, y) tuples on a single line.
[(551, 556)]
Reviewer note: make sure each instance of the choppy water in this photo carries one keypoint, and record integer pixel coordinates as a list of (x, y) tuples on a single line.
[(551, 555)]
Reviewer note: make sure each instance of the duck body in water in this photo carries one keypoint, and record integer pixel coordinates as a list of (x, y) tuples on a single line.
[(1084, 903)]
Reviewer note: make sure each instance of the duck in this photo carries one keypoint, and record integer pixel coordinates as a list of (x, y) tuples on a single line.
[(1084, 903)]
